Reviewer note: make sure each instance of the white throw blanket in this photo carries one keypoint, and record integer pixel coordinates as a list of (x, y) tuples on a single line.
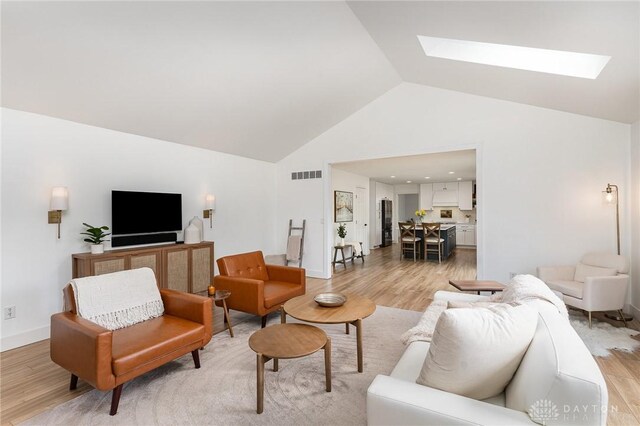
[(355, 246), (119, 299), (293, 248), (529, 289), (525, 289), (423, 331)]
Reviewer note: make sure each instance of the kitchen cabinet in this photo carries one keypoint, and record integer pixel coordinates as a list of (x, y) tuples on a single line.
[(466, 235), (465, 195), (426, 196)]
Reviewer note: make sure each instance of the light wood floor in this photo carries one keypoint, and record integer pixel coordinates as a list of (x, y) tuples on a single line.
[(31, 383)]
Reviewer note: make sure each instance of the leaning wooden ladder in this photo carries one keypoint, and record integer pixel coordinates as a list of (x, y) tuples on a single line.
[(301, 229)]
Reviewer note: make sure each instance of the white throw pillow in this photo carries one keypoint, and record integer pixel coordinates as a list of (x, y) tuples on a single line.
[(475, 352), (583, 271)]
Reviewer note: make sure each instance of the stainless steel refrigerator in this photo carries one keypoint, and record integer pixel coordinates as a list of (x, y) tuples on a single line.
[(387, 223)]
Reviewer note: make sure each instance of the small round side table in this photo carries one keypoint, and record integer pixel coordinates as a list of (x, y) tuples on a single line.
[(220, 296)]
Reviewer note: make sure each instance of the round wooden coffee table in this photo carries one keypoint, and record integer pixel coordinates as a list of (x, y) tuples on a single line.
[(354, 310), (288, 341)]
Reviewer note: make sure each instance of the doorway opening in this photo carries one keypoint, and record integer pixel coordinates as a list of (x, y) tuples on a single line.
[(441, 187)]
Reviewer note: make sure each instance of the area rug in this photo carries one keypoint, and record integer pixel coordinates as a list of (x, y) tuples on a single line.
[(223, 391), (602, 336)]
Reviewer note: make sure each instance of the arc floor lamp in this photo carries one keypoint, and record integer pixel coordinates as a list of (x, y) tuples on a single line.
[(611, 196)]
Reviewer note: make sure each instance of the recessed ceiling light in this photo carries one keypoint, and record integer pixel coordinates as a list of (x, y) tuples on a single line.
[(459, 178), (427, 177), (392, 176), (451, 173), (573, 64), (408, 181)]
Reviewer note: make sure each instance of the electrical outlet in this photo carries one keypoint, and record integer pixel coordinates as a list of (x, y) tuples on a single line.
[(10, 312)]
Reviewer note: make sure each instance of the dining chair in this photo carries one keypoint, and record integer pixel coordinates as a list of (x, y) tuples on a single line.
[(432, 238), (408, 239)]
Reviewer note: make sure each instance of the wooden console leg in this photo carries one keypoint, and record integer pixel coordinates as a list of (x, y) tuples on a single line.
[(196, 358), (283, 315), (73, 384), (346, 327), (264, 321), (115, 399)]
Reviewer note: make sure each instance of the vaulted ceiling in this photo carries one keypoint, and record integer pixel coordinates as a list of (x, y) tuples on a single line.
[(606, 28), (261, 79), (257, 79)]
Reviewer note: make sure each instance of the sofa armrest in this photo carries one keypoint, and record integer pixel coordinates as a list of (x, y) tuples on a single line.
[(83, 348), (392, 401), (551, 273), (192, 307), (605, 293), (247, 295), (288, 274), (458, 297)]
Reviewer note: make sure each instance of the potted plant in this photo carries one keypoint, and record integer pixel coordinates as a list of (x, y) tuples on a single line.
[(421, 213), (96, 237), (342, 233)]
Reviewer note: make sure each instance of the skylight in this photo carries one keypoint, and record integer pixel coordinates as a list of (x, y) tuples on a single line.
[(583, 65)]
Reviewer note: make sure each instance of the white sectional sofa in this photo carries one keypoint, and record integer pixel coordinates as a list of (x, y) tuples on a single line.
[(557, 377)]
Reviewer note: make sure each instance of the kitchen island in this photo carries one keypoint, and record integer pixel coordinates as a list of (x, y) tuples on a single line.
[(447, 233)]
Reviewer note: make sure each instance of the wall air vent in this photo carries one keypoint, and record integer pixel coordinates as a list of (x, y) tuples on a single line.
[(309, 174)]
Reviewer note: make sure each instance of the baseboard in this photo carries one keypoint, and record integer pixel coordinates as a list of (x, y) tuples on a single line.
[(26, 338), (315, 274)]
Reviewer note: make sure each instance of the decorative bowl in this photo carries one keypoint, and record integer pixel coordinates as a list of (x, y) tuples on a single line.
[(330, 300)]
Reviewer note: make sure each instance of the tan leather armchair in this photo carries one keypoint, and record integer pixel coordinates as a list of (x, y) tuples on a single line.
[(107, 359), (258, 288)]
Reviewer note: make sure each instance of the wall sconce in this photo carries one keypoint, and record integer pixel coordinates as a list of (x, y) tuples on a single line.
[(610, 196), (59, 203), (211, 206)]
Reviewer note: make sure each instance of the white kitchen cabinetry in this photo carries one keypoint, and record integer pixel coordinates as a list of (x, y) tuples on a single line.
[(466, 235), (426, 196), (465, 195)]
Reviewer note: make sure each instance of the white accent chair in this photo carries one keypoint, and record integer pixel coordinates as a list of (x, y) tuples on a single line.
[(557, 370), (599, 282)]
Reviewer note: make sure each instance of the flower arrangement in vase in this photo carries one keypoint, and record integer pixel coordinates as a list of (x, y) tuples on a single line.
[(421, 213)]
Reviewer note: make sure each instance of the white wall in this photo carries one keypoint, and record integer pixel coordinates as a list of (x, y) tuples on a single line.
[(345, 181), (407, 206), (540, 172), (40, 152), (635, 213)]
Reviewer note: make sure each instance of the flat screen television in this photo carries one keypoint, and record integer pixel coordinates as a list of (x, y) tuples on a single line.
[(145, 212)]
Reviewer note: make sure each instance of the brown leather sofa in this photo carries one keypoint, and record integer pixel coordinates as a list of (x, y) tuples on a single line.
[(258, 288), (107, 359)]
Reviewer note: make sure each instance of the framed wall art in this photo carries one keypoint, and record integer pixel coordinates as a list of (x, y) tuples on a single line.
[(343, 206)]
